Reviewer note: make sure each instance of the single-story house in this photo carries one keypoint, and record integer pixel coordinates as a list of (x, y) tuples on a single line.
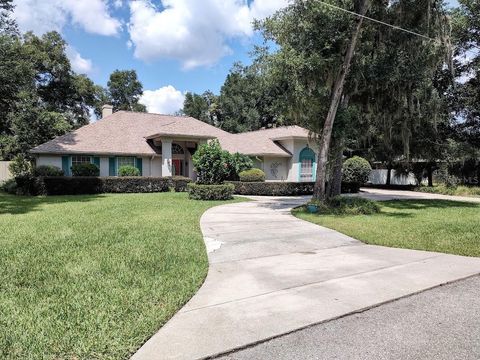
[(163, 145)]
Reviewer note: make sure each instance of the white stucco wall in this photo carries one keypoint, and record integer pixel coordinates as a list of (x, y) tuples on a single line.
[(49, 160), (155, 167), (275, 168), (293, 164)]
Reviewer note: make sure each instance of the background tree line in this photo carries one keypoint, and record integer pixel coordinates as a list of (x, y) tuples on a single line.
[(409, 102), (41, 96)]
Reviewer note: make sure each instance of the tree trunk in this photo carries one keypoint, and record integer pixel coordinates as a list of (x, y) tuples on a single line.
[(430, 174), (336, 171), (319, 192), (389, 174)]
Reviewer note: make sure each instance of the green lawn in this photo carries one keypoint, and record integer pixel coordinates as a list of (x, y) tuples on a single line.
[(93, 277), (460, 190), (443, 226)]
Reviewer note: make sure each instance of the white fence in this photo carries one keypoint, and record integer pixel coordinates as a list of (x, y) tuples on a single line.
[(379, 177), (4, 173)]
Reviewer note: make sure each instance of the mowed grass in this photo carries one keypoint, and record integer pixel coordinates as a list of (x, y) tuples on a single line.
[(93, 277), (460, 190), (431, 225)]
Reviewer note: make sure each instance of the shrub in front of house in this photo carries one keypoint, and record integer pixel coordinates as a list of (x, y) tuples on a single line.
[(135, 184), (252, 175), (273, 188), (48, 170), (282, 188), (9, 186), (85, 170), (356, 170), (29, 185), (128, 170), (211, 163), (99, 185), (210, 192), (20, 166), (238, 163), (179, 183)]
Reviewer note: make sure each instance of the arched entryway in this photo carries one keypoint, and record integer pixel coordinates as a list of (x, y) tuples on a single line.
[(308, 165)]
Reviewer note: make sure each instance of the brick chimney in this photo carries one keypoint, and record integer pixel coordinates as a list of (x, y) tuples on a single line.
[(107, 110)]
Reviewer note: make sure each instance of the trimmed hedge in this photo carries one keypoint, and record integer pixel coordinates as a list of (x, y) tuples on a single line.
[(90, 185), (210, 192), (252, 175), (284, 188), (179, 183), (273, 188)]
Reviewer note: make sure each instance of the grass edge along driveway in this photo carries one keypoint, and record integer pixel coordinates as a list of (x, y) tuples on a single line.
[(93, 277), (431, 225)]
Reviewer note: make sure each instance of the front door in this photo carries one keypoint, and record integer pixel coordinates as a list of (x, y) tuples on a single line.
[(177, 167)]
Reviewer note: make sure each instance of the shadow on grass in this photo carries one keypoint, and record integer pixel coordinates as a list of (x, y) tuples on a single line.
[(15, 205)]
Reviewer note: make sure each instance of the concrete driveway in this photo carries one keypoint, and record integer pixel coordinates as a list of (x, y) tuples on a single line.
[(271, 274)]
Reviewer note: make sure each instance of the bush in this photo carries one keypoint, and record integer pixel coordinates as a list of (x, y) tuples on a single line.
[(85, 170), (128, 170), (450, 181), (238, 163), (210, 192), (179, 183), (252, 175), (273, 188), (353, 205), (350, 188), (99, 185), (48, 170), (356, 170), (282, 188), (29, 185), (348, 205), (20, 166), (211, 163), (9, 186)]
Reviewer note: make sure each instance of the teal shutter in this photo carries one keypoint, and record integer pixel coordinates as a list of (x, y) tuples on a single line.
[(96, 161), (112, 167), (66, 165), (139, 163)]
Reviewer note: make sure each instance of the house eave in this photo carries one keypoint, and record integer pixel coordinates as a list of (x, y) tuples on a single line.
[(57, 153)]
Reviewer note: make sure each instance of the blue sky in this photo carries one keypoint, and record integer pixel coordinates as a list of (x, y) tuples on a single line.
[(174, 45)]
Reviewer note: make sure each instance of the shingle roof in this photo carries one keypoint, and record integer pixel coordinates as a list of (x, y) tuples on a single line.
[(263, 142), (126, 132)]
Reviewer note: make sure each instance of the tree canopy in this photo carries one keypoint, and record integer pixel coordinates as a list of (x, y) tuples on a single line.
[(124, 91)]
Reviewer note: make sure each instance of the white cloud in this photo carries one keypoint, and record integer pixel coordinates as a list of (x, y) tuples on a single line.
[(117, 4), (191, 31), (41, 16), (79, 64), (165, 100)]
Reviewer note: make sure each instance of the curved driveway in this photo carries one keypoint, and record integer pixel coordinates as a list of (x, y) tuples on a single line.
[(271, 274)]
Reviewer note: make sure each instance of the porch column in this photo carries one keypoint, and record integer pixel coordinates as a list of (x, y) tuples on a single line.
[(166, 157)]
